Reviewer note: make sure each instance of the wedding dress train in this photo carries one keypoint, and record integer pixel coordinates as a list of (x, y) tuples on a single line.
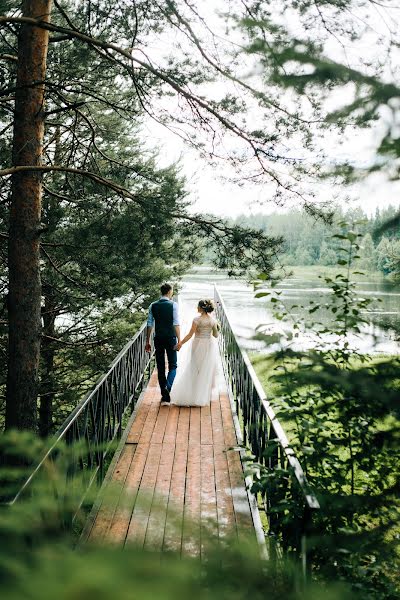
[(197, 367)]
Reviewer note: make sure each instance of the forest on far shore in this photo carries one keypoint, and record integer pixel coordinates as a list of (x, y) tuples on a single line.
[(310, 241)]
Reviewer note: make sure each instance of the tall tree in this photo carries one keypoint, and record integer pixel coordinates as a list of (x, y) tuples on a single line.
[(24, 294), (88, 69), (102, 258)]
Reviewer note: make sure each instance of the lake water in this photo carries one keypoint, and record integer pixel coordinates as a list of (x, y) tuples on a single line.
[(249, 314)]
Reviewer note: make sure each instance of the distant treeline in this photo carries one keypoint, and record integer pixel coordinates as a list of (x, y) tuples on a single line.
[(309, 241)]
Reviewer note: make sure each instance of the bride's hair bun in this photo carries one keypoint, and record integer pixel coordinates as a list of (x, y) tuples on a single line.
[(206, 305)]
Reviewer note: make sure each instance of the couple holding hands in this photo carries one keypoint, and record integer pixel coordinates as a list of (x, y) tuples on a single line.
[(194, 382)]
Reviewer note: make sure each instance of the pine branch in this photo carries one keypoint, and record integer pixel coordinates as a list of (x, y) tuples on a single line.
[(9, 57)]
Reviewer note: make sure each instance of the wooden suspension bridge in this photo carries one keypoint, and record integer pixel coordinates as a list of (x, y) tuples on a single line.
[(176, 478)]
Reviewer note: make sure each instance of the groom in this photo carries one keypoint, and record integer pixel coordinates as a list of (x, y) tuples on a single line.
[(164, 315)]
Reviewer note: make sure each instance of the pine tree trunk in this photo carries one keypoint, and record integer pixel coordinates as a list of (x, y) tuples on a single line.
[(50, 219), (47, 388), (26, 192)]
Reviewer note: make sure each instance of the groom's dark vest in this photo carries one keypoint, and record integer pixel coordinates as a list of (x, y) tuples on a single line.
[(163, 316)]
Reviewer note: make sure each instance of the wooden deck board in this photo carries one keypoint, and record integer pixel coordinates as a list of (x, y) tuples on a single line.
[(181, 484), (244, 521), (172, 425), (195, 416), (141, 512), (182, 433), (140, 420), (206, 437), (176, 503), (111, 495), (120, 522), (158, 515), (209, 516), (191, 536), (225, 506)]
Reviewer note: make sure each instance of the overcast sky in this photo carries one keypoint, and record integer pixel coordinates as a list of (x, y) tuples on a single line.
[(212, 193)]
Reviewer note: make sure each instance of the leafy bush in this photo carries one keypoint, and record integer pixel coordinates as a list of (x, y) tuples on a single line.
[(342, 411), (41, 559)]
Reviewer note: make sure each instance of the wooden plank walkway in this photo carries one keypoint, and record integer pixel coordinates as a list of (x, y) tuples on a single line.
[(179, 484)]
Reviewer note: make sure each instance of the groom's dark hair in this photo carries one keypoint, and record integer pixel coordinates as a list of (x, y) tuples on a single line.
[(165, 288)]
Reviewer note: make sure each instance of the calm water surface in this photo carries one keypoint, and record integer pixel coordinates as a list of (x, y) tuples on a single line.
[(249, 315)]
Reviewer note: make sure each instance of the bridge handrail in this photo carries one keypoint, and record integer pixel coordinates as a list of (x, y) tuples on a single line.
[(258, 421), (115, 391)]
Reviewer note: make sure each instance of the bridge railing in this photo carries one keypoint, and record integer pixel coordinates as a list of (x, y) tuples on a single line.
[(288, 500), (85, 442)]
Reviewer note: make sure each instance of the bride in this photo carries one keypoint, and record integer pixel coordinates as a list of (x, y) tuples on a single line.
[(194, 382)]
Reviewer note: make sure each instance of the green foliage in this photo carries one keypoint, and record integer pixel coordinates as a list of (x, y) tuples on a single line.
[(342, 412), (315, 53), (40, 558), (115, 224), (388, 257), (368, 258), (327, 256), (103, 260), (308, 240)]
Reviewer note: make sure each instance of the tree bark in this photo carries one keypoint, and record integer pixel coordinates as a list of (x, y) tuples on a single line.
[(51, 219), (47, 388), (24, 296)]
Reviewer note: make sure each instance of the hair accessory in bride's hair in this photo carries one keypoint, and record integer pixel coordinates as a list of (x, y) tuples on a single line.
[(206, 305)]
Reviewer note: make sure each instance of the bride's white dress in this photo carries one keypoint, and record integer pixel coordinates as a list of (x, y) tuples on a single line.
[(197, 367)]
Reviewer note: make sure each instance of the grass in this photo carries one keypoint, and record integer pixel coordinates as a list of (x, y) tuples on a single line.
[(265, 364), (266, 367)]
